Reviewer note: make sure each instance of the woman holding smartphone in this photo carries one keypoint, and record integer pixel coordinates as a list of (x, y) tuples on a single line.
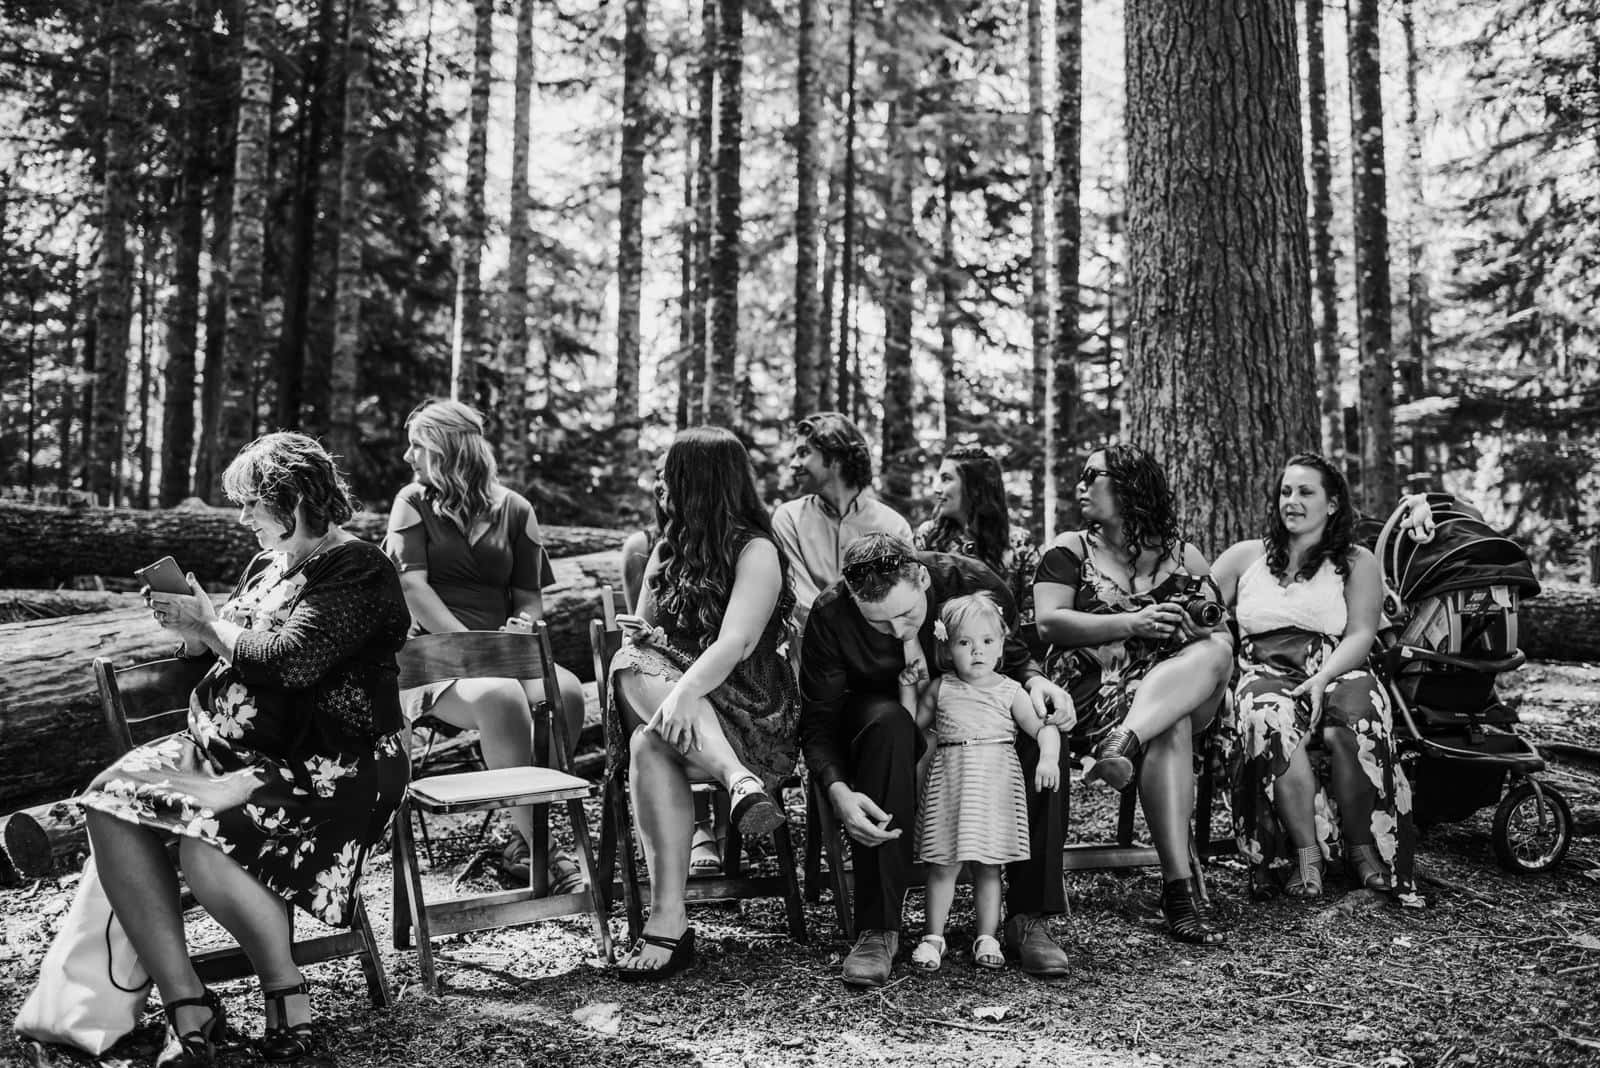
[(469, 556)]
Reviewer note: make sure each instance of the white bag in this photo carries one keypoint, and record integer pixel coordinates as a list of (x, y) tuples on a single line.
[(91, 988)]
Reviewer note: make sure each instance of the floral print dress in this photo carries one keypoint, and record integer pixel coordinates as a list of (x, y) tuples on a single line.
[(1267, 726), (291, 764)]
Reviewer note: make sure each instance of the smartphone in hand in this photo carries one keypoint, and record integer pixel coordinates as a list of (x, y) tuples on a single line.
[(164, 576), (630, 622)]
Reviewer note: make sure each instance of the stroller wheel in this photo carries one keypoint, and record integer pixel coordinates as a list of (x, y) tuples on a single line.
[(1532, 829)]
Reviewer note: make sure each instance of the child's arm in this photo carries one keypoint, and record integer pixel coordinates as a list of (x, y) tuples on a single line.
[(913, 677), (1048, 774), (927, 705)]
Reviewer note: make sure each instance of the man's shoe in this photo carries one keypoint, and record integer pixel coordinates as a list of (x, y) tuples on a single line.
[(1029, 943), (871, 959)]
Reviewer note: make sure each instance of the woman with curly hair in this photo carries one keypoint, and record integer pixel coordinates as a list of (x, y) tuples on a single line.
[(970, 519), (469, 555), (1122, 604), (1307, 602), (702, 685)]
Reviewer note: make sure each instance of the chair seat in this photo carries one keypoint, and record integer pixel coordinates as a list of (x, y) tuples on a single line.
[(499, 788)]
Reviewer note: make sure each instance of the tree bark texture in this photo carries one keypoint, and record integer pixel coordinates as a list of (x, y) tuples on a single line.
[(349, 277), (243, 337), (847, 253), (630, 223), (209, 461), (514, 347), (899, 256), (807, 314), (722, 368), (1220, 382), (1041, 497), (1069, 235), (705, 191), (464, 376), (183, 309), (113, 308), (47, 545), (950, 281), (50, 713), (1322, 235), (1419, 312), (1379, 486)]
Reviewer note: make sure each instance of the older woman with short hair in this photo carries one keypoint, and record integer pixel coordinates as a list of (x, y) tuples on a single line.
[(291, 765)]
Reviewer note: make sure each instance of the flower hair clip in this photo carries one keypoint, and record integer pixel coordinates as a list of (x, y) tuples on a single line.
[(940, 631)]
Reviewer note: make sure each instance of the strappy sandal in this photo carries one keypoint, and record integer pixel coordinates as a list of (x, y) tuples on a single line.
[(1116, 759), (705, 852), (754, 810), (1366, 863), (987, 954), (928, 954), (1305, 882), (196, 1048), (1185, 921), (301, 1044), (681, 955)]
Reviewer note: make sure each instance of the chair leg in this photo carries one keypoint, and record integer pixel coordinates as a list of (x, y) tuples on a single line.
[(580, 836), (783, 842), (606, 865), (813, 872), (830, 835), (418, 904), (400, 912), (371, 964), (1203, 801), (1130, 798), (632, 904), (733, 848)]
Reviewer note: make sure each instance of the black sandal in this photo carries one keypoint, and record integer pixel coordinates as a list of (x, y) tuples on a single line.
[(1366, 863), (300, 1043), (681, 956), (754, 810), (197, 1048), (1116, 759), (1186, 920)]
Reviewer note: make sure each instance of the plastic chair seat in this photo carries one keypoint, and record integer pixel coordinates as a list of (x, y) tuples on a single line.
[(501, 788)]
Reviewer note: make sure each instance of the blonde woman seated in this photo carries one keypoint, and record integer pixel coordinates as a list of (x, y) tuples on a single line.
[(1307, 603), (469, 557)]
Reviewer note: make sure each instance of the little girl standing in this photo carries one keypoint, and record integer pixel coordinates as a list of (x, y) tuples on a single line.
[(974, 803)]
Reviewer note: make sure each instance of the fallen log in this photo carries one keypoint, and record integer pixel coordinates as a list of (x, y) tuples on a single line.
[(1562, 623), (19, 605), (45, 545), (50, 721)]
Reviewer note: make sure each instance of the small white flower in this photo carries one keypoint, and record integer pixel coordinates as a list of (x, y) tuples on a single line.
[(940, 632)]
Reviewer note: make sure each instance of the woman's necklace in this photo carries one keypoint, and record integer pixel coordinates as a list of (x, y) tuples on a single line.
[(322, 542)]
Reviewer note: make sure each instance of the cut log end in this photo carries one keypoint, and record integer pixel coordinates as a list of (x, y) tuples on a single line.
[(24, 849)]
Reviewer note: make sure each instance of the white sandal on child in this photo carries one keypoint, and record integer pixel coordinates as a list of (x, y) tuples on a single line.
[(986, 953), (929, 953)]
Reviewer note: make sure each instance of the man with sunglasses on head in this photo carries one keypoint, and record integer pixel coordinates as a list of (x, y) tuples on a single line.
[(832, 469), (862, 744)]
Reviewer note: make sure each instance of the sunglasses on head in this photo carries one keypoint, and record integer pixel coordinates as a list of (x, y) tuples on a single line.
[(887, 564), (1088, 475)]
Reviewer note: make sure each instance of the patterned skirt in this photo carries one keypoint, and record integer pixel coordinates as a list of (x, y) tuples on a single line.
[(974, 806), (1267, 726)]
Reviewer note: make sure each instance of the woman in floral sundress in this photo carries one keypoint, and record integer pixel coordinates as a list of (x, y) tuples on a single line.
[(291, 765), (1307, 601)]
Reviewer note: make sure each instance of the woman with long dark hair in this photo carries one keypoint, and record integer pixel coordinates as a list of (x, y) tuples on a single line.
[(970, 519), (1307, 600), (703, 687), (1121, 604), (469, 555)]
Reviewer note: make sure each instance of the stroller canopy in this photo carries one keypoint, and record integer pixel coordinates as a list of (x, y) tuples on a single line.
[(1465, 553)]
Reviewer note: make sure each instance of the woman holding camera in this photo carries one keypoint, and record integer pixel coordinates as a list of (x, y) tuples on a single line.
[(1307, 600), (1128, 608)]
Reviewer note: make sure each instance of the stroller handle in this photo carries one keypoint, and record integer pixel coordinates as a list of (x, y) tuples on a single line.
[(1401, 653)]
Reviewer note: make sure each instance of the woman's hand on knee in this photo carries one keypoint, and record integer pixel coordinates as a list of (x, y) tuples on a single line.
[(677, 721)]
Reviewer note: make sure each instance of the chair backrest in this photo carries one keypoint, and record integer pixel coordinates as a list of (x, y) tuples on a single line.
[(605, 638), (149, 699), (492, 654)]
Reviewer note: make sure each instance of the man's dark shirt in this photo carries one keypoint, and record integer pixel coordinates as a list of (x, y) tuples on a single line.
[(843, 656)]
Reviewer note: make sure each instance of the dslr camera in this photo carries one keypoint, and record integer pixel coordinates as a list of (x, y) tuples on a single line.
[(1200, 609)]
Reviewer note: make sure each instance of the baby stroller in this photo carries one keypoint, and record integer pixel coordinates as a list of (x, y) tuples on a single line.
[(1452, 604)]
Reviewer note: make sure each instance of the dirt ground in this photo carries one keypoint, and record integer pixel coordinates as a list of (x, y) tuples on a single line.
[(1496, 970)]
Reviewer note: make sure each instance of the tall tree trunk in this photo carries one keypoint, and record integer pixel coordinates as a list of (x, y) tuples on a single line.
[(1220, 378), (1379, 486), (847, 270), (806, 314), (470, 325), (686, 276), (113, 309), (68, 373), (1322, 235), (830, 285), (1042, 498), (630, 224), (1069, 232), (147, 251), (183, 311), (290, 363), (705, 185), (1419, 315), (949, 286), (722, 369), (349, 280), (243, 337), (514, 347), (899, 254)]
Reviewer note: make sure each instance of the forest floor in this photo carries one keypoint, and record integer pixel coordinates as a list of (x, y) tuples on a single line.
[(1496, 970)]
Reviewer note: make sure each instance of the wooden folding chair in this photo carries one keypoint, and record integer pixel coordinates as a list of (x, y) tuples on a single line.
[(151, 699), (494, 654), (616, 835)]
